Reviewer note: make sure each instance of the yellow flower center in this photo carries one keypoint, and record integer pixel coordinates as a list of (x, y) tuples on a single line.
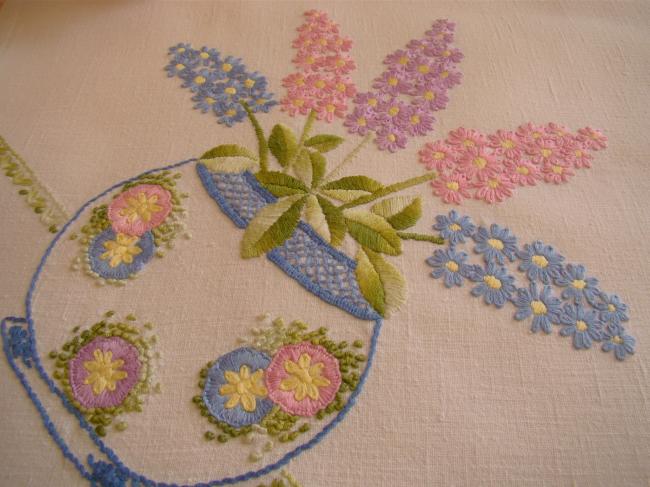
[(438, 155), (140, 207), (298, 102), (204, 55), (199, 80), (180, 66), (454, 227), (340, 87), (423, 68), (452, 266), (557, 169), (480, 162), (546, 152), (260, 101), (578, 153), (340, 63), (243, 387), (231, 112), (230, 90), (226, 67), (493, 282), (361, 121), (446, 53), (372, 102), (581, 325), (523, 170), (180, 50), (403, 60), (468, 143), (453, 185), (444, 74), (611, 308), (330, 108), (392, 81), (538, 307), (392, 137), (539, 261), (536, 135), (579, 283), (493, 183), (249, 83), (300, 81), (323, 41), (495, 243), (415, 119), (104, 373), (507, 144), (392, 111), (320, 84), (304, 378), (617, 339), (120, 250), (429, 95), (209, 100)]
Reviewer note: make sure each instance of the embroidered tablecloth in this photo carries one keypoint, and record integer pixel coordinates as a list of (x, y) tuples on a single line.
[(453, 193)]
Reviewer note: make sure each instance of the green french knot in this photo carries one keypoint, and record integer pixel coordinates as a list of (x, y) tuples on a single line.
[(50, 212), (280, 184), (373, 231), (380, 282), (323, 142), (272, 225), (127, 330), (283, 144), (400, 211)]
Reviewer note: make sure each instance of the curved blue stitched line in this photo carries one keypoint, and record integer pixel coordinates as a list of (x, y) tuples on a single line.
[(85, 425)]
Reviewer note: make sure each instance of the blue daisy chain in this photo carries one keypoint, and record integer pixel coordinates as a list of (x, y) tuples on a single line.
[(454, 228), (450, 265), (216, 403), (494, 283), (615, 338), (581, 323), (220, 85), (578, 286), (543, 306), (496, 244), (540, 261)]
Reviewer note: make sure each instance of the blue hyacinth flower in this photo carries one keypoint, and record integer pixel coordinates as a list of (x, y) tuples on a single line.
[(496, 244), (540, 261), (543, 306), (617, 340), (494, 283), (581, 323), (454, 228), (450, 265), (578, 286)]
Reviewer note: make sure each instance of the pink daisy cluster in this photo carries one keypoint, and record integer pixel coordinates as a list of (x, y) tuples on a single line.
[(471, 164), (413, 86), (322, 82)]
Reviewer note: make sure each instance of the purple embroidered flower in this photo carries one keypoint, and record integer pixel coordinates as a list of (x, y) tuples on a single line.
[(419, 122), (577, 285), (617, 340), (497, 244), (544, 307), (494, 283), (540, 261), (612, 309), (449, 264), (390, 140), (430, 95), (454, 228), (582, 323), (393, 83), (104, 371), (360, 121)]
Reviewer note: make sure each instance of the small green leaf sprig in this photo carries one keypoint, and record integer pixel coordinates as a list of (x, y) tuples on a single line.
[(334, 206)]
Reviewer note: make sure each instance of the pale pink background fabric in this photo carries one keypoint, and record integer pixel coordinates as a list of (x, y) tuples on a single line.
[(460, 394)]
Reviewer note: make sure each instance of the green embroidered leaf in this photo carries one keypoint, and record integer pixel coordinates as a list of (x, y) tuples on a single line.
[(228, 150), (229, 164), (315, 216), (302, 167), (350, 188), (326, 219), (280, 184), (324, 143), (272, 225), (318, 168), (372, 231), (283, 144), (401, 211), (380, 282)]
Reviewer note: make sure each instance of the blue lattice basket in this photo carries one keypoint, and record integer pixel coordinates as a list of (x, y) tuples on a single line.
[(315, 264)]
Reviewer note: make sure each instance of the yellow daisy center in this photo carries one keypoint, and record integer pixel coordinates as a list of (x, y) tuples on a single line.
[(453, 185), (611, 308), (392, 137), (429, 95), (340, 87), (392, 111), (452, 266), (507, 144), (444, 74), (438, 155), (557, 169), (243, 387), (493, 183), (468, 143), (249, 83), (539, 261), (304, 378), (330, 108), (104, 373), (415, 119), (578, 153), (204, 55), (140, 207), (423, 68), (199, 80), (617, 339), (209, 100), (538, 307), (493, 282), (179, 66), (320, 84), (392, 81), (121, 250), (372, 102), (480, 162), (523, 170), (495, 243), (454, 227), (403, 60), (230, 90), (298, 102), (581, 325), (180, 50), (546, 152), (446, 53), (361, 121), (226, 67), (231, 112), (579, 283)]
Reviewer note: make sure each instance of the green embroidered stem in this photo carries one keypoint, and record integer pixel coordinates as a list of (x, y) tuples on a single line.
[(261, 138), (309, 123), (393, 188), (49, 211), (421, 237), (334, 173)]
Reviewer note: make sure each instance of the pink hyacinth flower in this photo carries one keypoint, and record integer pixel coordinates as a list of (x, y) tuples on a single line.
[(302, 378), (438, 155), (466, 138), (139, 209), (477, 162), (594, 139), (494, 189), (505, 143), (557, 172), (451, 188), (522, 172)]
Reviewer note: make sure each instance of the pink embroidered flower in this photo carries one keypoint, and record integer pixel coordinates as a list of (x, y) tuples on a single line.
[(294, 81), (557, 172), (302, 378), (328, 108), (578, 156), (544, 150), (522, 172), (338, 64), (505, 143), (139, 209), (466, 138), (557, 129), (451, 188), (398, 60), (494, 189), (530, 132), (297, 102), (103, 372), (594, 139), (477, 162), (438, 155), (450, 77)]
